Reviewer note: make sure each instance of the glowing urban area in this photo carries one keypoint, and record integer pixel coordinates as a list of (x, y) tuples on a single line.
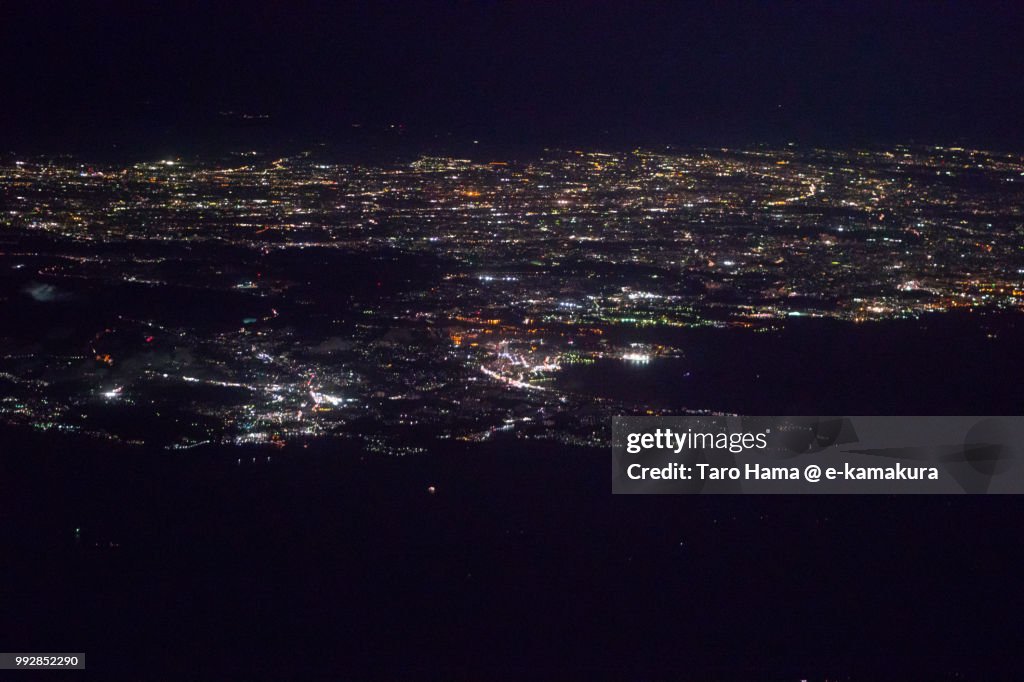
[(258, 300)]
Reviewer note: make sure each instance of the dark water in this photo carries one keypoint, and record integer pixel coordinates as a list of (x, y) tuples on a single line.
[(326, 563), (941, 364)]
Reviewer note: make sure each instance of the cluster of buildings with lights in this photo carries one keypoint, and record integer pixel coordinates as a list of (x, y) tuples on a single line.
[(253, 300)]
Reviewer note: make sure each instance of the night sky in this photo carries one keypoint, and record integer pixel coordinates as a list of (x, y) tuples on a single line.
[(514, 73)]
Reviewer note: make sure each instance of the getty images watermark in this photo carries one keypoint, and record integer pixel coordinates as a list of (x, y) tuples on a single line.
[(824, 455)]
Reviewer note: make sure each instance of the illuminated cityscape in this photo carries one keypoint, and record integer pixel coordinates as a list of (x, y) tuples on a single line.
[(253, 300), (315, 320)]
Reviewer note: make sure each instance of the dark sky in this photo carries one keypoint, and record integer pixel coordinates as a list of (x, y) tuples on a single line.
[(533, 73)]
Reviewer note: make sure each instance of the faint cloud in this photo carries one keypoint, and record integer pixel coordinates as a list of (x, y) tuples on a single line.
[(45, 293)]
